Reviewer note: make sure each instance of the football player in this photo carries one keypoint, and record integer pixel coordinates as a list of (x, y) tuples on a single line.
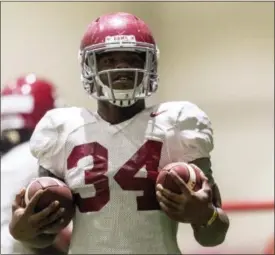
[(110, 158), (23, 104)]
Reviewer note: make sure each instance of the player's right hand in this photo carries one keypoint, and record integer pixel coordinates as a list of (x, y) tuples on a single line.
[(26, 224)]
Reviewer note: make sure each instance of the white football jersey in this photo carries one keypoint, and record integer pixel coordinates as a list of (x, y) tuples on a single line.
[(18, 168), (112, 169)]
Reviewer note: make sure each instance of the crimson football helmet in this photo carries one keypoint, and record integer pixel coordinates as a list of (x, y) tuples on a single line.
[(118, 32), (25, 101)]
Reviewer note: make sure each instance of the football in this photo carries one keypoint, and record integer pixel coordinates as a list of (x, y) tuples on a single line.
[(189, 173), (55, 190)]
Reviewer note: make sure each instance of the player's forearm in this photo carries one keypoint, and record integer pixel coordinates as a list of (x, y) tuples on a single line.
[(41, 241), (214, 234)]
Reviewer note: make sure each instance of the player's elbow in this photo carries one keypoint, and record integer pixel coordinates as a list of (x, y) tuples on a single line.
[(210, 242), (213, 235)]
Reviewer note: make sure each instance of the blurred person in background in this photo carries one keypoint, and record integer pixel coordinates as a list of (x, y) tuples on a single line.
[(24, 102), (110, 158)]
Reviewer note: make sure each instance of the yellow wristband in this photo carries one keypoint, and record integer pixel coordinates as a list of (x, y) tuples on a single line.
[(213, 217)]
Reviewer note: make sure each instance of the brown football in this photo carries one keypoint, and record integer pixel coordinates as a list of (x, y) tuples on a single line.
[(189, 173), (54, 190)]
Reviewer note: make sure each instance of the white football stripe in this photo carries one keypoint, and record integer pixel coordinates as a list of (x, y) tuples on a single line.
[(192, 180), (27, 191)]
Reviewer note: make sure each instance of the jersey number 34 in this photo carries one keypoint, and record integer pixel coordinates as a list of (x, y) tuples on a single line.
[(147, 156)]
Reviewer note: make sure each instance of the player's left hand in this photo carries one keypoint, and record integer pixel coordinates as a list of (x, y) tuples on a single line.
[(189, 206)]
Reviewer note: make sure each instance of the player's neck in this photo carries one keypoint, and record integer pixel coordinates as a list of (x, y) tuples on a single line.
[(115, 115)]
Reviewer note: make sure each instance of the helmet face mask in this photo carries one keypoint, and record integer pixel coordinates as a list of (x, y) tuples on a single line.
[(138, 41)]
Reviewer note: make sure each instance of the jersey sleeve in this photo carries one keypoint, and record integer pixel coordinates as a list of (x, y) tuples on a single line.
[(46, 145), (196, 136), (195, 132)]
